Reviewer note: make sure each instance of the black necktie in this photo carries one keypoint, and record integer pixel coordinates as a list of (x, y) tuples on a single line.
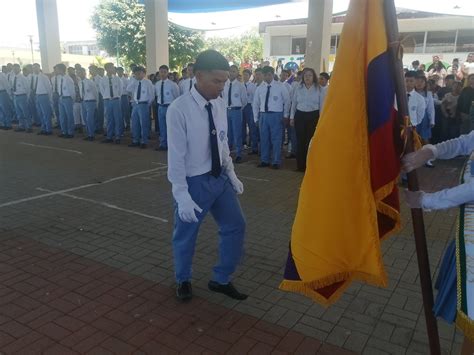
[(83, 91), (61, 86), (36, 84), (229, 96), (110, 88), (56, 84), (267, 97), (32, 85), (14, 84), (139, 92), (162, 95), (190, 83), (216, 161)]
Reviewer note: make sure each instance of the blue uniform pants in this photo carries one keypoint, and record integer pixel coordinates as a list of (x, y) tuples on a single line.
[(5, 110), (114, 118), (22, 111), (271, 137), (162, 110), (35, 116), (88, 113), (56, 107), (140, 123), (66, 115), (214, 195), (253, 130), (99, 123), (125, 107), (43, 107), (234, 119)]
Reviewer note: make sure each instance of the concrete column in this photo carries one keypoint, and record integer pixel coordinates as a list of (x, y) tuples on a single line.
[(318, 38), (156, 31), (48, 29)]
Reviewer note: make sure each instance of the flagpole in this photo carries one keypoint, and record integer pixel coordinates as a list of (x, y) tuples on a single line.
[(416, 213)]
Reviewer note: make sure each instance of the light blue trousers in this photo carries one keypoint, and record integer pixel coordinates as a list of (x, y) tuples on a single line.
[(253, 130), (45, 111), (66, 115), (140, 123), (271, 137), (234, 119), (162, 110), (5, 110), (89, 114), (22, 111), (114, 118)]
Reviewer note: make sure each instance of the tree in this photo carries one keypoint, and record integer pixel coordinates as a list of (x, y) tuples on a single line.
[(129, 17)]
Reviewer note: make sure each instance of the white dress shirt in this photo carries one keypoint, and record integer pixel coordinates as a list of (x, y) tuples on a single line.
[(305, 100), (66, 87), (288, 87), (4, 84), (251, 88), (31, 82), (105, 83), (22, 85), (125, 82), (416, 107), (238, 92), (184, 85), (56, 83), (87, 90), (189, 143), (170, 91), (147, 89), (278, 100), (460, 194), (429, 104), (43, 85)]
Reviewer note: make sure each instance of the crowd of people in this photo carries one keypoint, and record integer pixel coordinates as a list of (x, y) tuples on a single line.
[(265, 111)]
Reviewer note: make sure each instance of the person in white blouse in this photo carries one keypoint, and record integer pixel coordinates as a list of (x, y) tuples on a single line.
[(20, 90), (5, 107), (235, 96), (111, 89), (143, 94), (306, 104), (124, 99), (271, 107), (44, 92), (166, 92), (89, 95), (185, 85), (66, 93), (202, 175), (248, 114)]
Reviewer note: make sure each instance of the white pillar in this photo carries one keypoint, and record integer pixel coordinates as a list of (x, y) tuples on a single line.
[(156, 31), (318, 38), (48, 29)]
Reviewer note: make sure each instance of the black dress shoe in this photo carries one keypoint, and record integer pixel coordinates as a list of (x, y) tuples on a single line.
[(275, 166), (228, 290), (263, 165), (7, 128), (238, 160), (41, 133), (107, 141), (143, 146), (290, 156), (134, 145), (253, 152), (68, 136), (184, 291)]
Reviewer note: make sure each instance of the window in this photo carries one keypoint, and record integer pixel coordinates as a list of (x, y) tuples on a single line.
[(440, 42), (412, 42), (334, 44), (465, 41), (298, 46), (280, 45)]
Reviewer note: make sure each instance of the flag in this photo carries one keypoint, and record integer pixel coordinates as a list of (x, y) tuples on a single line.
[(348, 200)]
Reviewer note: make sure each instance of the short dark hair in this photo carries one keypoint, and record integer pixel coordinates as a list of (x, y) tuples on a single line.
[(210, 60), (324, 75), (119, 69), (450, 76), (138, 68), (259, 70), (61, 67), (411, 74), (234, 66), (415, 62), (133, 65), (164, 67), (248, 71), (268, 69), (185, 70), (286, 71)]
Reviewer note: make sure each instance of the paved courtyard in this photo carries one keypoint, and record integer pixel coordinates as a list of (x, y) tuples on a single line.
[(86, 267)]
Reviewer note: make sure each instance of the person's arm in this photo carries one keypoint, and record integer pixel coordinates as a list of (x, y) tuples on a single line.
[(294, 103), (175, 91), (286, 102), (228, 169), (448, 198), (243, 95), (256, 104), (463, 145), (93, 89), (430, 108), (151, 93), (120, 86)]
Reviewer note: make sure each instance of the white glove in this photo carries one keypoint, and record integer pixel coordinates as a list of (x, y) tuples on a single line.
[(237, 185), (186, 211), (416, 159), (414, 199)]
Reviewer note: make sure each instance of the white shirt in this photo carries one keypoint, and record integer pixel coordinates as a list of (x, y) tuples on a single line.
[(250, 87), (430, 109), (460, 194), (31, 82), (105, 83), (184, 85), (278, 100), (147, 89), (132, 82), (4, 84), (87, 90), (189, 143), (22, 85), (56, 83), (125, 82), (288, 86), (43, 85), (416, 108), (66, 86), (305, 100), (238, 94), (170, 91)]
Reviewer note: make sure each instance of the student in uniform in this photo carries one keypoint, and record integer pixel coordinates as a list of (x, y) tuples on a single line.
[(31, 77), (416, 102), (428, 121), (258, 77), (111, 89), (43, 92), (235, 96), (202, 175), (100, 119), (55, 83), (248, 114), (186, 85), (143, 93), (323, 84), (20, 89), (166, 92), (89, 95), (271, 108), (76, 106), (66, 111), (5, 106), (124, 100)]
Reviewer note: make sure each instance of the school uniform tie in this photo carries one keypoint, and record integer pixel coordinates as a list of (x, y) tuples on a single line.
[(267, 96), (32, 84), (162, 94), (110, 88), (36, 85), (229, 96), (216, 161), (14, 84), (139, 92), (61, 86), (190, 84), (56, 84), (83, 91)]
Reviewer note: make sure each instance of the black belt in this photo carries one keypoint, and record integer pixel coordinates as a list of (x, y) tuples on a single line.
[(42, 94), (164, 105), (115, 98), (88, 100), (272, 112), (234, 108), (65, 97), (20, 94), (142, 102)]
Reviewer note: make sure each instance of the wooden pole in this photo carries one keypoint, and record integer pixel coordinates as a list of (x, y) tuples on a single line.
[(416, 213)]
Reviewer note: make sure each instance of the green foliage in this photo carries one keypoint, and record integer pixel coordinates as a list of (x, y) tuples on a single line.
[(249, 46), (184, 44)]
